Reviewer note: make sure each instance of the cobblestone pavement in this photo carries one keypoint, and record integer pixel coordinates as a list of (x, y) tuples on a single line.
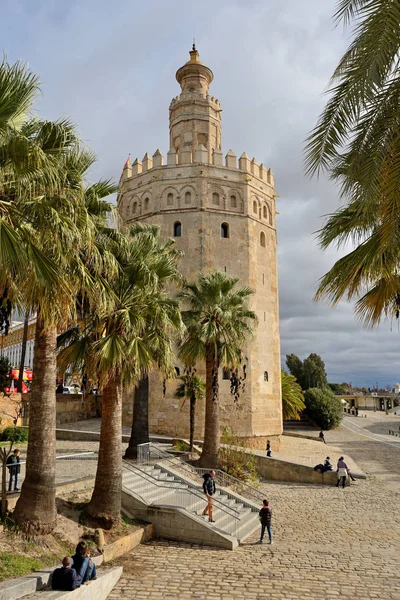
[(328, 543)]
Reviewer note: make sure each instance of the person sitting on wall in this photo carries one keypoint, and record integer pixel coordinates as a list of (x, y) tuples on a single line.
[(83, 565), (327, 466), (65, 578)]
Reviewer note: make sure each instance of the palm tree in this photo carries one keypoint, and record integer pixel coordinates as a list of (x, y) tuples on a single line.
[(292, 397), (157, 266), (356, 141), (218, 322), (191, 387), (118, 345), (64, 233)]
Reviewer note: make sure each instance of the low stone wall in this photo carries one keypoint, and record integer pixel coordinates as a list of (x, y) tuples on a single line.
[(127, 543), (74, 407), (70, 408), (177, 524), (282, 470), (8, 405)]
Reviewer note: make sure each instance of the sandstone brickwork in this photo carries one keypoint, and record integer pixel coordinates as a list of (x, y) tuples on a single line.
[(221, 212)]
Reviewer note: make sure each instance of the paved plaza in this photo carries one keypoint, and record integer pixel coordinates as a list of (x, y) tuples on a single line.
[(328, 542)]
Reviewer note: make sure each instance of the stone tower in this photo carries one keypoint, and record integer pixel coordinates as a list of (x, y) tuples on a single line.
[(222, 215)]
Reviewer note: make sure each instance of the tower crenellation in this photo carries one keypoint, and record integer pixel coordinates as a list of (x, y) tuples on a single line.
[(157, 160), (221, 210)]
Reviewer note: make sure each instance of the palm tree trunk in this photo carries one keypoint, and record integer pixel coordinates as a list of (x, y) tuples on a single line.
[(209, 456), (105, 504), (140, 421), (35, 511), (23, 352), (192, 420)]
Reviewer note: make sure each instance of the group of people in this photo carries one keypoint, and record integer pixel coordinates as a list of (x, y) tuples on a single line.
[(342, 470), (75, 570)]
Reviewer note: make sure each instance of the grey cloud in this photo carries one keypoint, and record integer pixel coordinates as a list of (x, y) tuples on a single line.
[(111, 68)]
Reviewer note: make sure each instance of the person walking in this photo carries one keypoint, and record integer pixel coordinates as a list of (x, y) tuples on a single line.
[(14, 469), (321, 436), (268, 448), (342, 470), (209, 490), (265, 516)]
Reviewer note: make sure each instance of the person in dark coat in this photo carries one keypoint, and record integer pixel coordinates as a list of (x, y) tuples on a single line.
[(321, 436), (265, 516), (14, 469), (83, 565), (65, 578), (209, 490), (268, 448)]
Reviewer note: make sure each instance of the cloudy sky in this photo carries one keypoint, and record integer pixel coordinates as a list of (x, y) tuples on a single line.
[(110, 67)]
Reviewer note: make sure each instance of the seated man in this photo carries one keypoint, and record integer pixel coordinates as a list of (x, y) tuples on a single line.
[(65, 578), (327, 465)]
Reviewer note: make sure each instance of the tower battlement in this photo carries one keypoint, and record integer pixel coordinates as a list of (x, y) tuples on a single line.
[(194, 95), (244, 163)]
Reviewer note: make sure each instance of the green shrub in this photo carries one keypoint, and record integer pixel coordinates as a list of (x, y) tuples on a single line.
[(323, 407), (17, 434), (235, 460)]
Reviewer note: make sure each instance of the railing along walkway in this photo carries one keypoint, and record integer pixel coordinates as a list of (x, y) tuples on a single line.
[(183, 493), (150, 453)]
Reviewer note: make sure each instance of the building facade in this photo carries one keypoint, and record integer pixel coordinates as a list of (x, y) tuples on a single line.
[(221, 212), (11, 344)]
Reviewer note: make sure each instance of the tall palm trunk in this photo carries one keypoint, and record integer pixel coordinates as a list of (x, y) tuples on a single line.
[(140, 421), (105, 504), (35, 512), (192, 418), (23, 352), (209, 456)]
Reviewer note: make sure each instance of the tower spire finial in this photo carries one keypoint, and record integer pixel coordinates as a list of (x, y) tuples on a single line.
[(194, 45)]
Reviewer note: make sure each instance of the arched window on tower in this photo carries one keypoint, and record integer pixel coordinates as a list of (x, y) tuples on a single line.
[(224, 230), (177, 229), (215, 198), (134, 208), (233, 201), (265, 212), (146, 204), (262, 239), (254, 207), (188, 198), (170, 199)]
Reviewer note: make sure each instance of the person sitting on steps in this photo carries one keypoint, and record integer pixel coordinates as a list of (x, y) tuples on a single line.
[(65, 578), (83, 565)]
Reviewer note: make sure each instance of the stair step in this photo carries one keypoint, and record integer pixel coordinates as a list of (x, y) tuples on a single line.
[(158, 486)]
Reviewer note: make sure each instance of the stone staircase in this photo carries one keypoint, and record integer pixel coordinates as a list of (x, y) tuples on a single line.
[(174, 502)]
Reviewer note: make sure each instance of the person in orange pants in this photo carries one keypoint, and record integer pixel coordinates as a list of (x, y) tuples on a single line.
[(209, 490)]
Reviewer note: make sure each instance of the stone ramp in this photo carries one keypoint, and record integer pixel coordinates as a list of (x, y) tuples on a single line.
[(175, 505)]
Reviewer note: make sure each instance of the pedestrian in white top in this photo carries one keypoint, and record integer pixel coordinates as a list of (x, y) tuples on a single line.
[(342, 469)]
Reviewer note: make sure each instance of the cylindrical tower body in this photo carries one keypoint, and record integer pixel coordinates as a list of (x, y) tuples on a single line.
[(222, 215)]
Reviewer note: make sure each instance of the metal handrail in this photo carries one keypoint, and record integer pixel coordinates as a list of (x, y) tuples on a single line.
[(184, 465), (191, 488)]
